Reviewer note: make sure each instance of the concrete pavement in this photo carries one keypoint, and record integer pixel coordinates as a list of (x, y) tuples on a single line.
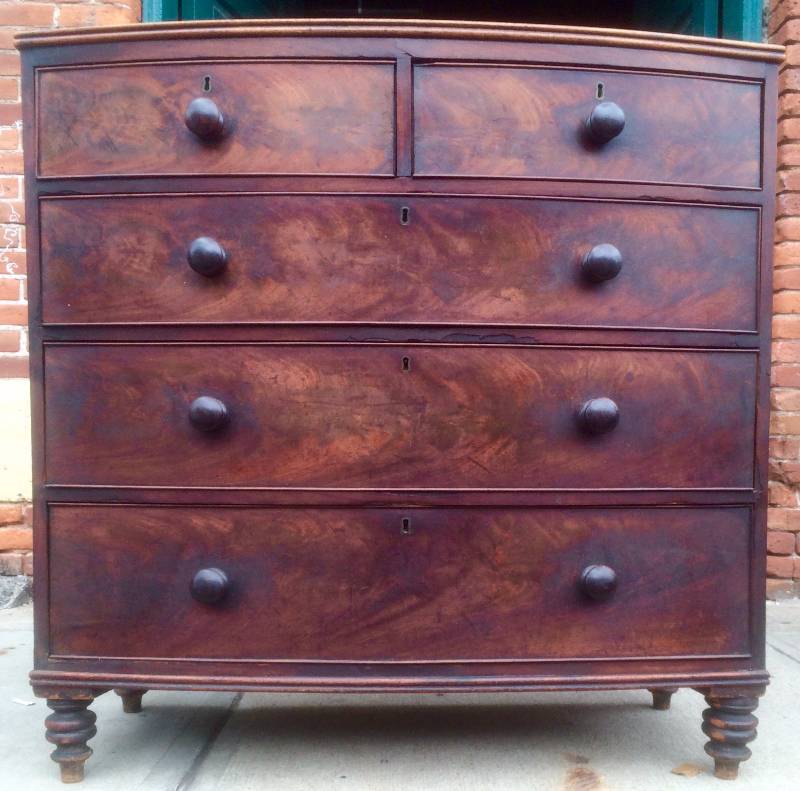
[(605, 741)]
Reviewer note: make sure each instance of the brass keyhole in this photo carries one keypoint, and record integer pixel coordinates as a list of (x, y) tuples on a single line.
[(405, 526), (207, 83)]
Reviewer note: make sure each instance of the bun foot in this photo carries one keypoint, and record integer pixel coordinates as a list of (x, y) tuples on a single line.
[(131, 699), (726, 769), (730, 724), (662, 697), (69, 727), (72, 773)]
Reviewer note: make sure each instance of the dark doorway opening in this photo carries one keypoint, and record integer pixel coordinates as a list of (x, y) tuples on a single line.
[(742, 19)]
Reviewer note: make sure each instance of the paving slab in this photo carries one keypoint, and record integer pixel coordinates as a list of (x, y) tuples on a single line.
[(603, 741), (154, 750)]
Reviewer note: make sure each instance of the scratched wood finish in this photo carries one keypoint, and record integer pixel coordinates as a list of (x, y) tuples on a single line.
[(344, 584), (456, 259), (280, 117), (337, 416), (503, 122), (331, 442)]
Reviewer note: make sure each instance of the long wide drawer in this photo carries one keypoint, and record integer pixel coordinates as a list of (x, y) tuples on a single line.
[(295, 117), (326, 258), (390, 584), (502, 121), (380, 416)]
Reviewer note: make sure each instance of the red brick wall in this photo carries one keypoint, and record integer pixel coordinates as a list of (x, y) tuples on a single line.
[(783, 538), (15, 532), (15, 539)]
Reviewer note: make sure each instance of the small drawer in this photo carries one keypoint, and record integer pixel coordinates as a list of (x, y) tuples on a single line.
[(399, 259), (386, 584), (291, 117), (531, 122), (391, 417)]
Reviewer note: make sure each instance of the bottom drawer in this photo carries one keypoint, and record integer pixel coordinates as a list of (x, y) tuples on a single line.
[(384, 584)]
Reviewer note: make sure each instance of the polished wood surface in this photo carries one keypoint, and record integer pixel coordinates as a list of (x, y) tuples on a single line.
[(496, 121), (438, 351), (389, 585), (420, 29), (407, 417), (319, 118), (398, 258)]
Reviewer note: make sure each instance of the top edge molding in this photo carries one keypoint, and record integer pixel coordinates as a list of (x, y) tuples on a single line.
[(489, 31)]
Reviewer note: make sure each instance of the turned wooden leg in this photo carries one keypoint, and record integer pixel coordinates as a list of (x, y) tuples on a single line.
[(730, 724), (131, 699), (69, 727), (662, 697)]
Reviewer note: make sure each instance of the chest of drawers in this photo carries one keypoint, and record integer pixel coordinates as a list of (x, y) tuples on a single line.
[(398, 356)]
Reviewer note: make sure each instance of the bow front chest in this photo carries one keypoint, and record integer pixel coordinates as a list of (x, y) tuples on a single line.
[(398, 356)]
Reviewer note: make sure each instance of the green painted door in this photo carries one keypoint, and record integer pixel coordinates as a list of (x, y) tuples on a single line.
[(167, 10), (739, 19), (231, 9)]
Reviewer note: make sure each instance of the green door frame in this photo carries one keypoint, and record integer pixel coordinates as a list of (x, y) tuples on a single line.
[(743, 20), (737, 19), (170, 10)]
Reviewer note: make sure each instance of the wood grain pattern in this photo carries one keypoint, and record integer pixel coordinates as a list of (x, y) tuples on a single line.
[(339, 584), (280, 117), (503, 122), (457, 259), (339, 416), (480, 592)]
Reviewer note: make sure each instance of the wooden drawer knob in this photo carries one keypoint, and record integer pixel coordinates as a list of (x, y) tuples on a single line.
[(207, 256), (204, 119), (210, 585), (598, 415), (599, 582), (605, 122), (208, 414), (602, 262)]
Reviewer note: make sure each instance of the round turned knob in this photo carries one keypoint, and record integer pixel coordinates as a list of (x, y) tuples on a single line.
[(599, 582), (208, 414), (598, 415), (602, 262), (209, 585), (605, 122), (207, 256), (204, 118)]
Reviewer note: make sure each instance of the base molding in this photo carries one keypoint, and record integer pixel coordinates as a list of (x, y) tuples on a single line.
[(45, 682)]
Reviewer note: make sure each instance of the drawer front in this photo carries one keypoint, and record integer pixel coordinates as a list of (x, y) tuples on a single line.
[(278, 117), (507, 122), (294, 258), (448, 584), (390, 417)]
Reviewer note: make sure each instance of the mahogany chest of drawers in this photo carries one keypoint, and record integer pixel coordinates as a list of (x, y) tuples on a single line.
[(398, 356)]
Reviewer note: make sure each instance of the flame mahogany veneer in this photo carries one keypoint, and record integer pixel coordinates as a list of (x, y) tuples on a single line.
[(380, 356)]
